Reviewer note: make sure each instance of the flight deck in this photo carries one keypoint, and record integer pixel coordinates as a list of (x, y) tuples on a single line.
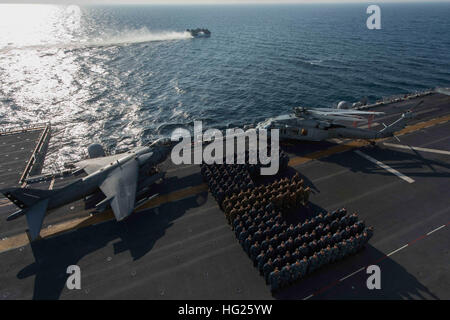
[(179, 245)]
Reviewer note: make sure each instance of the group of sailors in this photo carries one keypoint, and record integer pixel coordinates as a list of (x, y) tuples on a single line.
[(284, 254), (282, 195), (225, 179)]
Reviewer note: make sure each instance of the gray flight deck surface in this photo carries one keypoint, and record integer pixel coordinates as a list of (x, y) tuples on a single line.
[(184, 249), (15, 151)]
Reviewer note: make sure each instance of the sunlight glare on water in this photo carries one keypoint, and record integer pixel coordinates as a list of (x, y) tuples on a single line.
[(47, 77), (40, 77), (33, 25), (124, 75)]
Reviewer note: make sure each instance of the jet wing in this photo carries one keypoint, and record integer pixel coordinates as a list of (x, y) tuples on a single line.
[(92, 165), (120, 186)]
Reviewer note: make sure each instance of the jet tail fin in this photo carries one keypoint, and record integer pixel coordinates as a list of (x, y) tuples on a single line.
[(35, 218), (33, 203)]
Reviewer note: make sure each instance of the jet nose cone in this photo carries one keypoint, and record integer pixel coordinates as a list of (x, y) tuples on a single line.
[(162, 142)]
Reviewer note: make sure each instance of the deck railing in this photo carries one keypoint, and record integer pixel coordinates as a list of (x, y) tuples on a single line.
[(23, 128), (38, 155)]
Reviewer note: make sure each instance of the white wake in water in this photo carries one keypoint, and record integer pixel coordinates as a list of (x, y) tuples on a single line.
[(108, 39), (138, 36)]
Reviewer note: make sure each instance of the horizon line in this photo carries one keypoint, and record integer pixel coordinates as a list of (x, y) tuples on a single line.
[(216, 2)]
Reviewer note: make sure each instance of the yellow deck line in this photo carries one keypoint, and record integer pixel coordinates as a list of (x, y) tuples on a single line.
[(5, 204), (22, 239), (328, 152), (173, 196)]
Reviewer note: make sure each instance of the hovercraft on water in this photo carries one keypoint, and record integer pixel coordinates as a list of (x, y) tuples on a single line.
[(199, 33)]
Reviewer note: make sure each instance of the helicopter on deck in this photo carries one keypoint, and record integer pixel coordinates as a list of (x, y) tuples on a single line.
[(317, 124)]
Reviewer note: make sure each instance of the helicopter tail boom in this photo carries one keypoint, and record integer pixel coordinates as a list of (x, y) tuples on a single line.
[(397, 125)]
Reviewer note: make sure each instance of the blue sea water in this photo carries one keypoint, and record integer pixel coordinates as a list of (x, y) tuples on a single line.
[(123, 75)]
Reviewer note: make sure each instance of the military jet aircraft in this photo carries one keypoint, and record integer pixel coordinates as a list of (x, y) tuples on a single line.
[(317, 124), (120, 177)]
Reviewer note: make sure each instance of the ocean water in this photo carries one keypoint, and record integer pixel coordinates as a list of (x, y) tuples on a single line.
[(124, 75)]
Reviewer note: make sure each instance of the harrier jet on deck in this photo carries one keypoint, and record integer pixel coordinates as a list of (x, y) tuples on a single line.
[(122, 178)]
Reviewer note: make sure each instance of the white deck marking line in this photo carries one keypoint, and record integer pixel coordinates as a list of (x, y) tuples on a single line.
[(385, 166), (435, 141), (395, 251), (330, 176), (376, 262), (352, 274), (400, 146), (437, 229), (50, 187)]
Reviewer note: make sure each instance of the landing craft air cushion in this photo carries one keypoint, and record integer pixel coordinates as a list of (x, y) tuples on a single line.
[(317, 124), (120, 177), (199, 33)]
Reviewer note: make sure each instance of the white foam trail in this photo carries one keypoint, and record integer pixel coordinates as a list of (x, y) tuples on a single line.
[(138, 36), (123, 38)]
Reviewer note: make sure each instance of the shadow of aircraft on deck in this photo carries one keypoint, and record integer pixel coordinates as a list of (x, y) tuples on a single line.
[(413, 165), (417, 164), (137, 234)]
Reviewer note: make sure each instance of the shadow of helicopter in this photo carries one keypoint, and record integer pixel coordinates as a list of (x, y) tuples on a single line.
[(412, 164)]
